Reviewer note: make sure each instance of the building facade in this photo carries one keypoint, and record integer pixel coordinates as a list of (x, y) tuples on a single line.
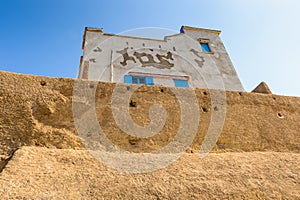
[(193, 58)]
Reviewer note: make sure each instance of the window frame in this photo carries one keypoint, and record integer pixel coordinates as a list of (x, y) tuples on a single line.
[(129, 79), (185, 85), (206, 42), (138, 79), (150, 79)]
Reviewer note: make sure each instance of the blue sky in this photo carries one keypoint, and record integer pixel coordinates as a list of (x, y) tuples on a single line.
[(43, 37)]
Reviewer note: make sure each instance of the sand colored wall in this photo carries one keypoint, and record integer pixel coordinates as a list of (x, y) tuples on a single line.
[(38, 111), (256, 156), (41, 173)]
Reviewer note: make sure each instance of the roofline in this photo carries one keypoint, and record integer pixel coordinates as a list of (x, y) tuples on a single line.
[(201, 30), (91, 29), (174, 35), (100, 30), (133, 37)]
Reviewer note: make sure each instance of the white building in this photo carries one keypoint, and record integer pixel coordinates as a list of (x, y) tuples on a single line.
[(195, 58)]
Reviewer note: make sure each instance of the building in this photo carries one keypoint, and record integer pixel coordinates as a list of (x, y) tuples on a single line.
[(194, 58)]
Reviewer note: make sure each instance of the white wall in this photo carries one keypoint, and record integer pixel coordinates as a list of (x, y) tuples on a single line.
[(214, 71)]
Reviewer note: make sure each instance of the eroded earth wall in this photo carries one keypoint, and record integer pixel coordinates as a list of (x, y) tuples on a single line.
[(37, 112)]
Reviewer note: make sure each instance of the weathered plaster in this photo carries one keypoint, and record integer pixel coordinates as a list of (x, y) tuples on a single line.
[(179, 55)]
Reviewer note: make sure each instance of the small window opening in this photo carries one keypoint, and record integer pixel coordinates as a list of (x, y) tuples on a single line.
[(138, 80), (204, 43), (205, 47), (148, 80), (181, 83)]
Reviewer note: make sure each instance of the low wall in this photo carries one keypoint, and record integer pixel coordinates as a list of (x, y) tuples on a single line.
[(37, 111)]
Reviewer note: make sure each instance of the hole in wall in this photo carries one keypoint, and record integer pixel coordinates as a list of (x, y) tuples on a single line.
[(159, 46), (279, 115), (161, 90), (91, 86), (204, 109), (205, 93), (241, 94), (143, 44), (216, 108), (174, 49), (133, 142), (274, 98), (43, 83), (128, 87), (132, 104)]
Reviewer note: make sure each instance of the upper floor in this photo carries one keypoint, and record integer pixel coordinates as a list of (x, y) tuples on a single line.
[(195, 58)]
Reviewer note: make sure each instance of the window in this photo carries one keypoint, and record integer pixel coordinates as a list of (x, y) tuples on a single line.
[(205, 45), (138, 80), (181, 83), (148, 80)]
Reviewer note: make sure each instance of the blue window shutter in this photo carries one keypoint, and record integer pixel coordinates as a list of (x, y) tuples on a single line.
[(149, 80), (181, 83), (128, 79), (205, 47)]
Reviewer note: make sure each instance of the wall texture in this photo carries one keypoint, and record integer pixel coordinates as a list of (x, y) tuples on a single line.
[(37, 112)]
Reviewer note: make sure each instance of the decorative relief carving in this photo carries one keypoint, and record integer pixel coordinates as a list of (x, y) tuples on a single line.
[(147, 59), (126, 56)]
